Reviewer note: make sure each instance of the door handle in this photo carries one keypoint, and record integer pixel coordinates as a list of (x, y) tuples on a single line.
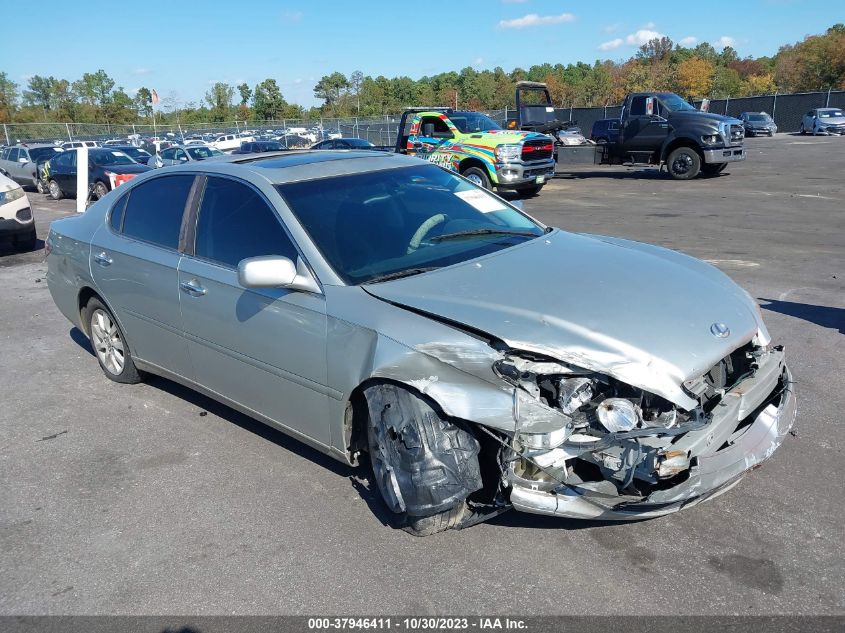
[(103, 259), (193, 288)]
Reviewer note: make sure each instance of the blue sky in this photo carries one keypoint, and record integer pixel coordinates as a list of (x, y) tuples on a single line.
[(181, 47)]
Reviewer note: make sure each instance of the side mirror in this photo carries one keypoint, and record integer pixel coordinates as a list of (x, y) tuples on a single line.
[(649, 106), (23, 161), (266, 272)]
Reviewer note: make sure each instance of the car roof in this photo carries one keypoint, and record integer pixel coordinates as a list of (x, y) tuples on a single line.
[(35, 145), (292, 166)]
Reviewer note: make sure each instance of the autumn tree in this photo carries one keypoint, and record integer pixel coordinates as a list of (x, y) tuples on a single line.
[(695, 77)]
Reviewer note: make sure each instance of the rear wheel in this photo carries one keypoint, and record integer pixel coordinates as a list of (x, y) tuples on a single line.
[(684, 163), (801, 129), (109, 344), (100, 189), (477, 176), (41, 187), (55, 190)]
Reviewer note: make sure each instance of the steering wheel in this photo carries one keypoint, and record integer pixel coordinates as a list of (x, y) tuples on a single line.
[(424, 229)]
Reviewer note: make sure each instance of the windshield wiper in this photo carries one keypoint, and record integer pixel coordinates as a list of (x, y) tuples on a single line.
[(474, 232), (408, 272)]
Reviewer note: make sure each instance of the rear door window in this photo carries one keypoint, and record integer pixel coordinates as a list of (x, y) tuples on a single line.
[(235, 223), (154, 211)]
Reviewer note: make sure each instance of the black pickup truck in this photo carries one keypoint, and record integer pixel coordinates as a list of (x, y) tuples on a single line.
[(660, 128)]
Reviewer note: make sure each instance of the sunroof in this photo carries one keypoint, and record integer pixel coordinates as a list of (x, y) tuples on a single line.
[(306, 158)]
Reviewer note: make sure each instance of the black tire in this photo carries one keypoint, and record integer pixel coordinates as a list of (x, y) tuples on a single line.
[(100, 190), (801, 130), (55, 190), (407, 438), (126, 373), (601, 141), (41, 187), (684, 163), (478, 176), (528, 192), (712, 169)]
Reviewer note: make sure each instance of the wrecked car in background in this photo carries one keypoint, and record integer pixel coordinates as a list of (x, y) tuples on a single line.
[(375, 304)]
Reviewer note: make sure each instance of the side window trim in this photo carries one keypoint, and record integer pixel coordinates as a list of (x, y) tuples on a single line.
[(140, 240), (193, 220)]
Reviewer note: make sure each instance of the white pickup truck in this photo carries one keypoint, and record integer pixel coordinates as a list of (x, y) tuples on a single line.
[(229, 142)]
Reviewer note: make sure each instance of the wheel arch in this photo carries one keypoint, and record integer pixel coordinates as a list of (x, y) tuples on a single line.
[(472, 161), (86, 293), (680, 141)]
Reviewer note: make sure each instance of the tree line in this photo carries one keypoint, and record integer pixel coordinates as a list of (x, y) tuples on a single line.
[(815, 63)]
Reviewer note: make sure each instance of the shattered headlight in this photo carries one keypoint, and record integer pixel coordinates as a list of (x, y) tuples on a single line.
[(617, 414)]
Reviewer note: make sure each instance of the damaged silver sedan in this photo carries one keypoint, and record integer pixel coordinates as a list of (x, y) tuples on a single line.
[(373, 304)]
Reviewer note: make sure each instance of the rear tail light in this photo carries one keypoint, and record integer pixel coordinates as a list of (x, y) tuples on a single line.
[(119, 179)]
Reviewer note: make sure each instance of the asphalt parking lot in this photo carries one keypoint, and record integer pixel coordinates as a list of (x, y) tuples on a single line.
[(153, 499)]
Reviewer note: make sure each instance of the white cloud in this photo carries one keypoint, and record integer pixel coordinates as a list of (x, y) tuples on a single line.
[(611, 28), (725, 40), (638, 38), (609, 46), (292, 17), (688, 41), (649, 25), (532, 19), (643, 36)]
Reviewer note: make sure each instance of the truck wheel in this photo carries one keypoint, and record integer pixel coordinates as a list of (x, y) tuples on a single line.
[(41, 187), (528, 192), (684, 163), (477, 176), (424, 465), (712, 169), (55, 190)]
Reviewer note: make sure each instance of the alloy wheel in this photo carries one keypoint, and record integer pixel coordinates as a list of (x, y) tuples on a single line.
[(107, 342)]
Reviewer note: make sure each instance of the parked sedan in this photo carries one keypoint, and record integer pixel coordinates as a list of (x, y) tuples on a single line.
[(344, 143), (605, 131), (374, 304), (107, 169), (180, 155), (758, 123), (17, 224), (258, 147), (823, 121)]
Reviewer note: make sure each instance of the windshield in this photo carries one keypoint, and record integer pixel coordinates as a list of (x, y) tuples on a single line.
[(468, 122), (271, 146), (764, 118), (826, 114), (137, 154), (674, 103), (201, 152), (383, 223), (38, 153), (111, 158)]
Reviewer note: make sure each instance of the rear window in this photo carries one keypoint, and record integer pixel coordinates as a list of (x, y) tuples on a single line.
[(154, 211)]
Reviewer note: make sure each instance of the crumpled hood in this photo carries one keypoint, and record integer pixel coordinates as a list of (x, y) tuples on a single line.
[(637, 312)]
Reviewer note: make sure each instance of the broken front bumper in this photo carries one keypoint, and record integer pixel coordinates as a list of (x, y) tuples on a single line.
[(714, 473)]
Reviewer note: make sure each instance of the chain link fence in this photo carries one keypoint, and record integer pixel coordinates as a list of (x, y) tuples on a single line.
[(786, 109)]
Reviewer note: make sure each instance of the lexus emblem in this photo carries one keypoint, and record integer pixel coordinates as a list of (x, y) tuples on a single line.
[(720, 330)]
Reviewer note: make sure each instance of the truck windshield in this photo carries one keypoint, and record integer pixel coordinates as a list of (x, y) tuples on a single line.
[(384, 224), (468, 122), (674, 103)]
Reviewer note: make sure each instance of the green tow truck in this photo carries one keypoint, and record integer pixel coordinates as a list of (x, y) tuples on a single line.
[(476, 147)]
